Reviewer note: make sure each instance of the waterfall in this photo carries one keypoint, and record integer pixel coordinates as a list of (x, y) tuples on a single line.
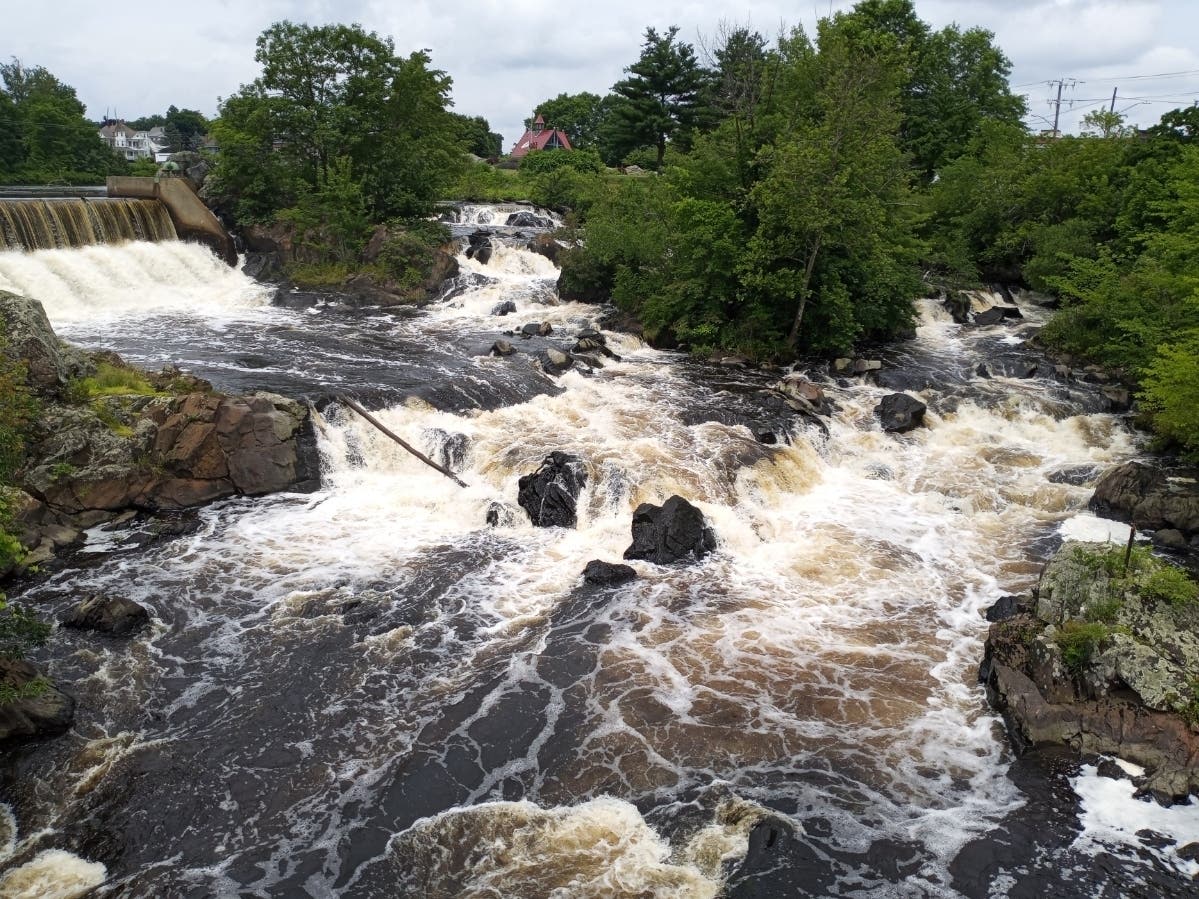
[(59, 223), (135, 278)]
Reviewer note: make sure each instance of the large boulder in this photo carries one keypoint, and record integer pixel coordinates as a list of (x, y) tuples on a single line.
[(47, 711), (114, 615), (529, 219), (479, 247), (50, 365), (900, 413), (549, 495), (546, 246), (1150, 497), (672, 532)]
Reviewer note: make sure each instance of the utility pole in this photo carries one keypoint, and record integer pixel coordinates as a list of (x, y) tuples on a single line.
[(1057, 103), (1113, 107), (1111, 113)]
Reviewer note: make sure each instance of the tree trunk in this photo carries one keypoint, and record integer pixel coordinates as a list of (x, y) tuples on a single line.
[(661, 152), (793, 337)]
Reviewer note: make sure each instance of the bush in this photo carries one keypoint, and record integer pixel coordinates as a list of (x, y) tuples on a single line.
[(541, 161), (1079, 641), (1171, 585), (1170, 391)]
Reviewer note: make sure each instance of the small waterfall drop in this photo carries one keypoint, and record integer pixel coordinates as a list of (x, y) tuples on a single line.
[(106, 281), (58, 223)]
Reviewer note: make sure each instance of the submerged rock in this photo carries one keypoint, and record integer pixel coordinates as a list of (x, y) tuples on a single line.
[(554, 362), (501, 348), (672, 532), (113, 615), (608, 574), (505, 308), (549, 495), (900, 413)]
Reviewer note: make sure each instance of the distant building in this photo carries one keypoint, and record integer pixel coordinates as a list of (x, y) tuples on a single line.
[(134, 144), (541, 138)]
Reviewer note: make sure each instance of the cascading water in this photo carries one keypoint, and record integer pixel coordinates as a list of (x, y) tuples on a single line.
[(36, 224), (369, 692)]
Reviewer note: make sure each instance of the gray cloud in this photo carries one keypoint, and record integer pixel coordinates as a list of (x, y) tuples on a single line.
[(507, 55)]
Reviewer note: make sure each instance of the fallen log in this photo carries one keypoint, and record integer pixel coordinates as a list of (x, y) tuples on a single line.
[(353, 404)]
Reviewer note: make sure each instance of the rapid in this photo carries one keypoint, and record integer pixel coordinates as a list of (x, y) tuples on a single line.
[(369, 692)]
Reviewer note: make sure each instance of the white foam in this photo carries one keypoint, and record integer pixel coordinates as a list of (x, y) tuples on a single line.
[(1111, 816), (52, 874), (1090, 528), (95, 283)]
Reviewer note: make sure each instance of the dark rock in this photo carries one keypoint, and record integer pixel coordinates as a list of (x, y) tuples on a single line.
[(586, 345), (900, 413), (501, 348), (479, 247), (549, 495), (545, 329), (503, 308), (861, 366), (447, 448), (531, 329), (1074, 475), (546, 246), (672, 532), (992, 316), (1189, 852), (608, 574), (593, 335), (48, 712), (500, 515), (1119, 398), (107, 614), (1153, 839), (264, 267), (554, 362), (1149, 497), (899, 380), (982, 371), (1170, 538), (958, 306), (1108, 768), (1005, 607), (527, 219)]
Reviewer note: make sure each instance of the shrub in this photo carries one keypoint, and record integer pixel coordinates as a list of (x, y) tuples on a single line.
[(1079, 641), (1171, 585), (1171, 392)]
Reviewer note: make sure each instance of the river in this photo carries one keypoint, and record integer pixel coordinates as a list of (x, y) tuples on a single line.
[(369, 692)]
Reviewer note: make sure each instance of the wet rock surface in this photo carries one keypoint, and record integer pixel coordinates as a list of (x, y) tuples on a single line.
[(1151, 497), (899, 413), (549, 495), (608, 574), (675, 531), (113, 615), (47, 712)]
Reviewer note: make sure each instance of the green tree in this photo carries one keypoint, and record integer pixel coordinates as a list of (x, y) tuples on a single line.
[(336, 92), (475, 133), (56, 141), (831, 208), (661, 97), (581, 116)]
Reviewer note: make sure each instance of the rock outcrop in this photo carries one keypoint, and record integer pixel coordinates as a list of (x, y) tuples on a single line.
[(1103, 661), (40, 712), (550, 494), (50, 364), (1151, 498), (675, 531)]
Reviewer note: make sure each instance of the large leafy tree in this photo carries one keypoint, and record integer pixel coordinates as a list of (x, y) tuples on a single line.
[(47, 137), (832, 244), (661, 99), (476, 135), (332, 93)]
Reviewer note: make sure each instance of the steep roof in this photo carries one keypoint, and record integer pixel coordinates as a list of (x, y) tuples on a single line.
[(540, 140)]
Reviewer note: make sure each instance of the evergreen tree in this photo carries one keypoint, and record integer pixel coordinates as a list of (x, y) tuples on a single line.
[(661, 97)]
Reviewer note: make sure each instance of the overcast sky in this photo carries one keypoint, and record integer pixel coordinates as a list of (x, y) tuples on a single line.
[(507, 55)]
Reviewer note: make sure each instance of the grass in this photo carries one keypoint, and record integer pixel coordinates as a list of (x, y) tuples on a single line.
[(1079, 641), (112, 380), (1170, 585)]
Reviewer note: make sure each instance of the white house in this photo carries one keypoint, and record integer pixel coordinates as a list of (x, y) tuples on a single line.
[(132, 144)]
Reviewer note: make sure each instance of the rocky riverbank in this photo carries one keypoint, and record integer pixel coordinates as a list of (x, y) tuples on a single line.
[(1103, 657), (111, 441)]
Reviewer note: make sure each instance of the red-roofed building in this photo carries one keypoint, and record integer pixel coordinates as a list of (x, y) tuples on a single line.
[(541, 138)]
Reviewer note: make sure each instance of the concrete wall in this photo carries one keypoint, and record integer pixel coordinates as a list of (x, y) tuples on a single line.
[(192, 219)]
